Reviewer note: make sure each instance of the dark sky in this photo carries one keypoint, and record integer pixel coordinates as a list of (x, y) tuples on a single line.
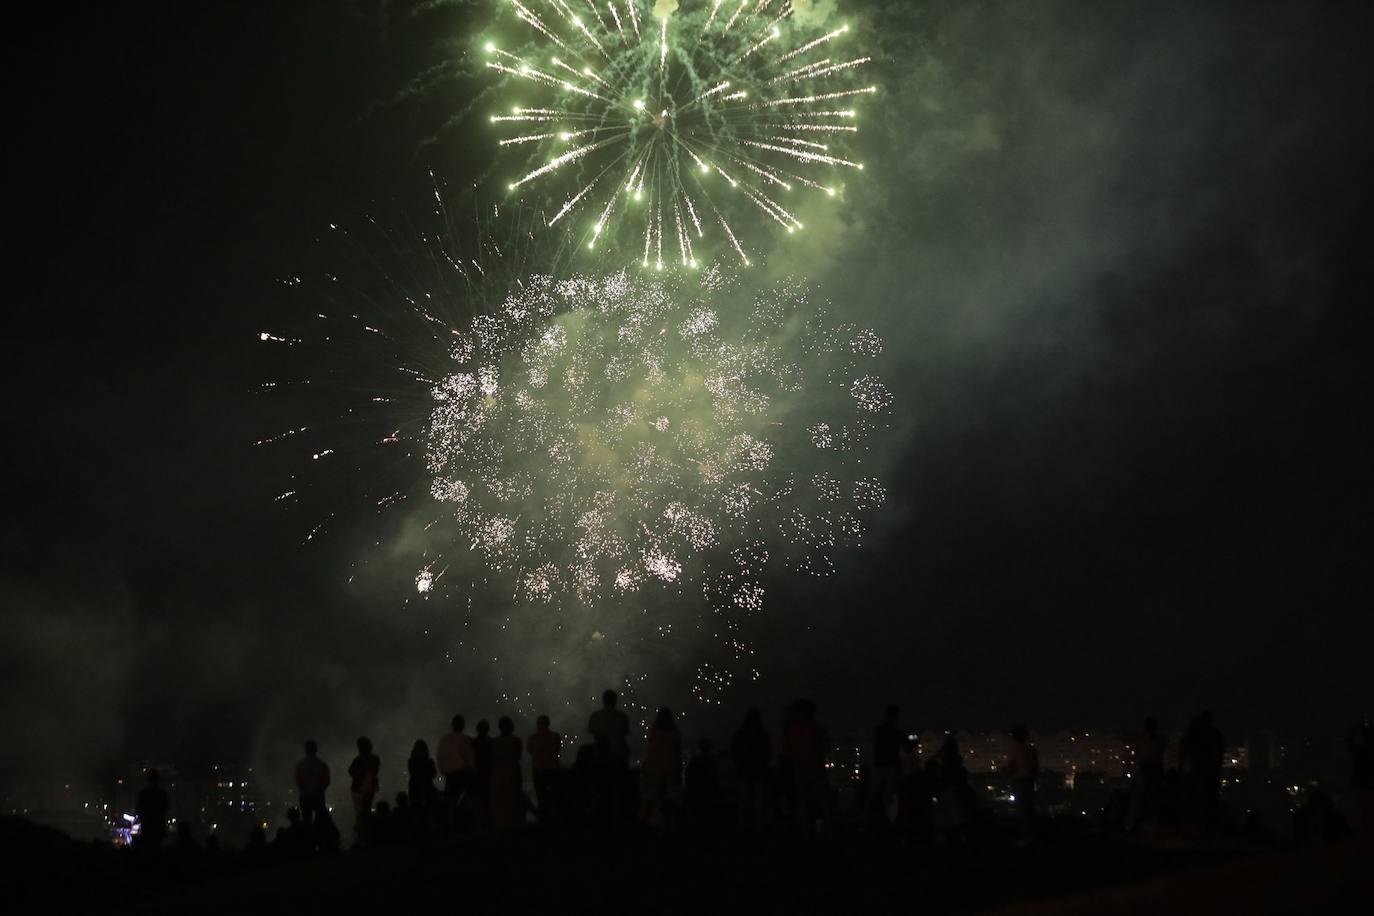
[(1115, 250)]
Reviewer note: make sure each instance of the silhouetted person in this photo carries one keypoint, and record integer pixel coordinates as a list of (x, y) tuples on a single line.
[(662, 769), (326, 833), (421, 771), (1023, 766), (889, 739), (186, 854), (1317, 821), (312, 778), (1361, 746), (752, 752), (456, 763), (481, 773), (806, 744), (291, 840), (507, 799), (948, 779), (1202, 747), (382, 825), (365, 771), (151, 808), (545, 747), (256, 853), (703, 780), (1147, 779), (610, 731)]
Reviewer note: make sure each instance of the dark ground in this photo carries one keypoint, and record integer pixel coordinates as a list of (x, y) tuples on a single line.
[(692, 873)]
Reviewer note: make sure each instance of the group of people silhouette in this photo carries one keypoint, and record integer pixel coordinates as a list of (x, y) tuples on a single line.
[(474, 783)]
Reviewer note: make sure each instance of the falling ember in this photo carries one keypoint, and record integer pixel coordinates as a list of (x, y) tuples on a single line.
[(713, 112)]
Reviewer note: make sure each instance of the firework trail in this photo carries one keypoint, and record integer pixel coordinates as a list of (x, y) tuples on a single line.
[(666, 124)]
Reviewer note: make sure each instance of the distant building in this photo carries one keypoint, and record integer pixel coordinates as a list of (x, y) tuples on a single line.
[(1068, 753)]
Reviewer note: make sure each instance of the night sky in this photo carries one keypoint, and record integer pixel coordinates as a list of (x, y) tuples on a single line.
[(1115, 249)]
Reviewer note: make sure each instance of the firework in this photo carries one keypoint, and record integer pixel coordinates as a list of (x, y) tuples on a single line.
[(606, 475), (608, 445), (665, 124)]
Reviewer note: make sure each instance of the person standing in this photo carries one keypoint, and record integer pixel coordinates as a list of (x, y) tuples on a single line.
[(507, 796), (545, 747), (889, 739), (421, 772), (455, 764), (365, 773), (610, 730), (662, 770), (312, 778), (1202, 748), (806, 744), (1361, 745), (151, 809), (1023, 766), (752, 751), (481, 774), (1147, 778)]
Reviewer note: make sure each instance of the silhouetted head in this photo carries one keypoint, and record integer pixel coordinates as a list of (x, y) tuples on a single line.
[(1151, 726), (950, 749), (608, 699), (893, 712), (152, 776), (293, 816), (402, 801), (420, 751), (311, 748), (459, 723), (753, 717), (664, 719), (505, 726), (483, 727), (542, 723), (1020, 733), (1205, 718), (364, 745)]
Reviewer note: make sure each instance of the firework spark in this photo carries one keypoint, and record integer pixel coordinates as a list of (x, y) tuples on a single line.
[(664, 132)]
